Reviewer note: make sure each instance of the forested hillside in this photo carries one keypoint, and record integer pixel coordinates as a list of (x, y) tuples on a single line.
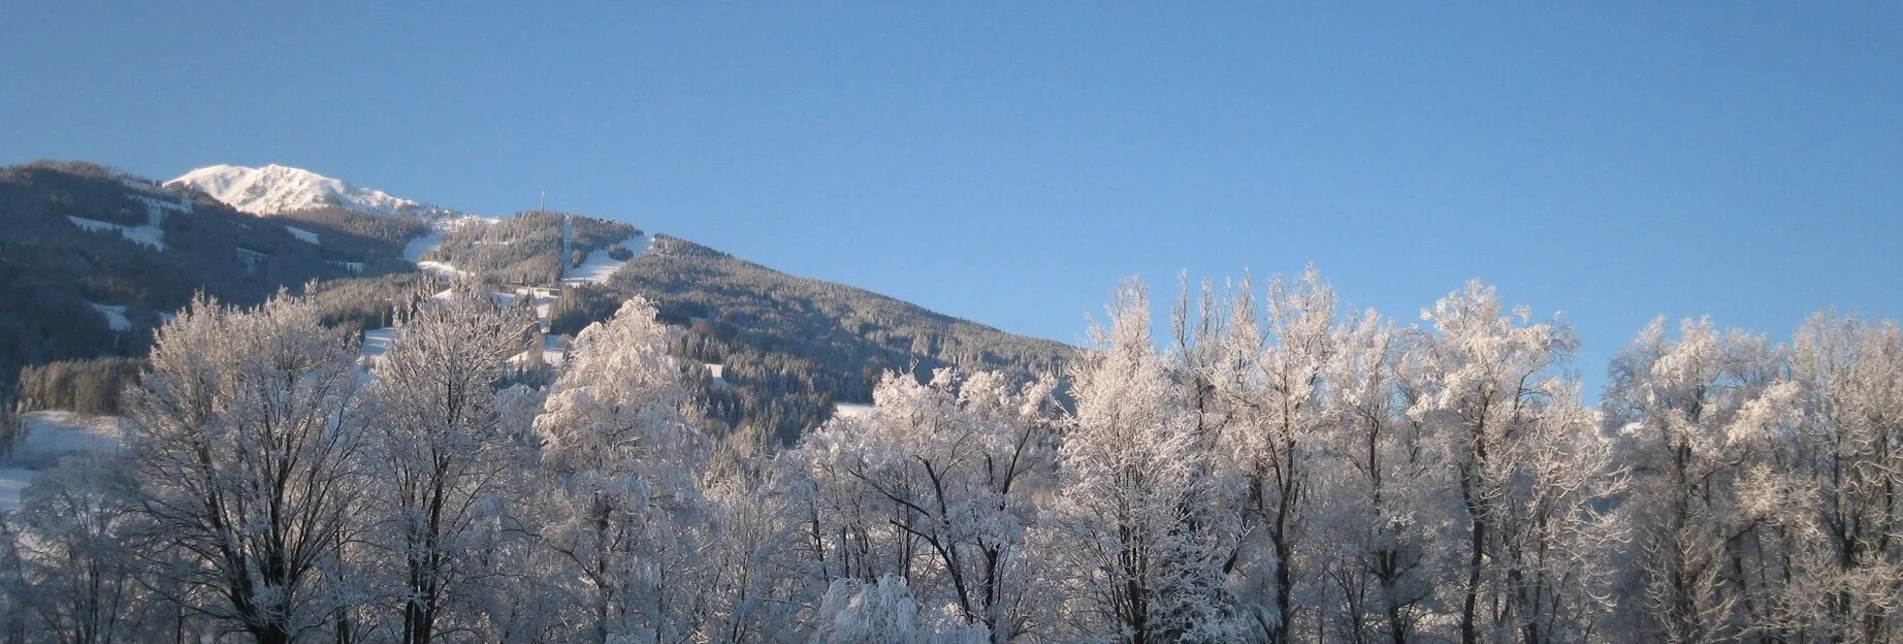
[(527, 248), (793, 347), (91, 247), (90, 258)]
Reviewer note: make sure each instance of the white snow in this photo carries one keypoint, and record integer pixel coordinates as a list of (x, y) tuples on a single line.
[(307, 236), (718, 373), (149, 235), (181, 207), (852, 410), (598, 266), (250, 257), (428, 242), (440, 268), (93, 225), (354, 267), (115, 316), (51, 436), (376, 342), (421, 245), (276, 189)]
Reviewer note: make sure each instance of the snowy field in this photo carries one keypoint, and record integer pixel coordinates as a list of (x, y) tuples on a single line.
[(51, 436)]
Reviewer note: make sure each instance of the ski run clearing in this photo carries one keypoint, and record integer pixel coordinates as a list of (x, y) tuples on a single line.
[(305, 235), (151, 235), (115, 316), (598, 266)]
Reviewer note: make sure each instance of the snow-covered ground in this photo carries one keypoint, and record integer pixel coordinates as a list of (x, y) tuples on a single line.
[(150, 236), (428, 242), (422, 244), (115, 316), (851, 410), (51, 436), (307, 236), (441, 268), (377, 342), (598, 266)]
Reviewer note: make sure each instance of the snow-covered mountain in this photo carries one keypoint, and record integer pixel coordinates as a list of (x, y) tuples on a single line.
[(276, 189)]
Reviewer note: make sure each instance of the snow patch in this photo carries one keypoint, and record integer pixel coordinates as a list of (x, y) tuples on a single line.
[(250, 257), (441, 268), (377, 342), (149, 235), (554, 349), (423, 244), (598, 266), (305, 235), (115, 316), (852, 410)]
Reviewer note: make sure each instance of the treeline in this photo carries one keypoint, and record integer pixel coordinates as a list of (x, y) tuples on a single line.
[(1276, 470), (85, 386)]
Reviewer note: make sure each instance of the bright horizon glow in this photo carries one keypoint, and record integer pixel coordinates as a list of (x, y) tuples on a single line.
[(1009, 163)]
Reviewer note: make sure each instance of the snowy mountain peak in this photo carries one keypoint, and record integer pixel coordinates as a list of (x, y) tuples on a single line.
[(276, 189)]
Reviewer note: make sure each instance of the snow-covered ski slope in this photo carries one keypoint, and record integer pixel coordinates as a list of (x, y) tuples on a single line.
[(599, 266), (151, 234), (50, 437)]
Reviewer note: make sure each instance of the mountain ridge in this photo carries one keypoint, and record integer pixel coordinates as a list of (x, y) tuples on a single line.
[(277, 189)]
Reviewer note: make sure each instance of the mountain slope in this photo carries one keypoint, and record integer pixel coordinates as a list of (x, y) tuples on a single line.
[(276, 189), (100, 255), (90, 258), (792, 348)]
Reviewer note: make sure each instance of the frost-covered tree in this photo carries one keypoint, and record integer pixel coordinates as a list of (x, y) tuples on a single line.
[(1267, 376), (82, 582), (934, 486), (624, 467), (1673, 402), (883, 612), (445, 460), (1529, 466), (760, 581), (244, 461), (1379, 495), (1848, 450), (1133, 538)]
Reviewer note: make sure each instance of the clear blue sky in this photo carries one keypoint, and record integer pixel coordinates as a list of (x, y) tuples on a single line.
[(1009, 162)]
